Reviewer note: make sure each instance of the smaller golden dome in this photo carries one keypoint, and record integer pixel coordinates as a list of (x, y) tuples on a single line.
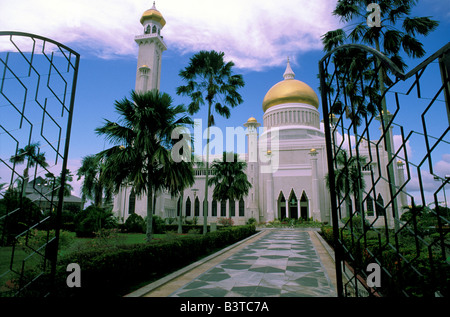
[(153, 14), (251, 120)]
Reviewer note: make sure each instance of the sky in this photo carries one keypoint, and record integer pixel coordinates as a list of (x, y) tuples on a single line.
[(257, 36)]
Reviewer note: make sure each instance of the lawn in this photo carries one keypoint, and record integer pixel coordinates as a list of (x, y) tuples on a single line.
[(75, 244)]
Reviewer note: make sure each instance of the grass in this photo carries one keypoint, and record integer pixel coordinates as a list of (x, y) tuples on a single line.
[(76, 244)]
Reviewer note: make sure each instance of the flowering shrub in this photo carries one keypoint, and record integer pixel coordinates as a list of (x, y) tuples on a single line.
[(226, 222)]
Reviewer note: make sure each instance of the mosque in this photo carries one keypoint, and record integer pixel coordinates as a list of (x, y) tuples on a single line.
[(286, 163)]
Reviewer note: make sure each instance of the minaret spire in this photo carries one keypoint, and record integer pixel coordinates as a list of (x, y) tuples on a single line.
[(288, 73)]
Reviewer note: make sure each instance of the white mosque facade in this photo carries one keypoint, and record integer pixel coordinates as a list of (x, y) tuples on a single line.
[(285, 155)]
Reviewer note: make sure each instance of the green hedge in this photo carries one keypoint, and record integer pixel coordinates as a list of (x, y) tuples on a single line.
[(413, 271), (116, 271)]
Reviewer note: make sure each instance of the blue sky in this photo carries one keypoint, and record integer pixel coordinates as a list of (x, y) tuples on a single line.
[(257, 35)]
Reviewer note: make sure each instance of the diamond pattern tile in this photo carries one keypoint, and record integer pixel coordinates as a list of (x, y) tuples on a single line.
[(281, 264)]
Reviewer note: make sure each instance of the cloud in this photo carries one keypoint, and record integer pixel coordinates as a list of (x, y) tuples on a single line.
[(254, 34), (430, 184), (398, 143)]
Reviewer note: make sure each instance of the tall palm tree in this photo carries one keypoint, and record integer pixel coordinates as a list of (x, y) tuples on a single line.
[(94, 185), (397, 32), (229, 178), (33, 156), (55, 182), (142, 140), (210, 79)]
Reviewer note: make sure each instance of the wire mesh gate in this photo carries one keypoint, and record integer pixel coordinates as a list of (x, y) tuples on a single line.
[(387, 138), (37, 89)]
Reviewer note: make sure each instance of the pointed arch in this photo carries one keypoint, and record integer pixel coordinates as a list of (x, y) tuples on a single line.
[(369, 204), (232, 207), (293, 205), (132, 202), (241, 207), (188, 207), (304, 206), (223, 208), (196, 207), (281, 202), (379, 206), (214, 208)]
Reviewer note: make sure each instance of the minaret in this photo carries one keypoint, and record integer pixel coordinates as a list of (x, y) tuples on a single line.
[(151, 47), (252, 166)]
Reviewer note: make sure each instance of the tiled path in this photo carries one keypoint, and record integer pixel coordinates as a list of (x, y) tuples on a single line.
[(282, 263)]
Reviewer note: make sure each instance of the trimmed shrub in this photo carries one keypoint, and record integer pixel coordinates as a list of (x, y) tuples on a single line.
[(135, 223), (114, 271)]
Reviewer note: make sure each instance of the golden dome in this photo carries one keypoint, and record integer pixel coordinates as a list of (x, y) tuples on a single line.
[(290, 90), (154, 15), (251, 120)]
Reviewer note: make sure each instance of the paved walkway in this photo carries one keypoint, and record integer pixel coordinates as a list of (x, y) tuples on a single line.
[(275, 263)]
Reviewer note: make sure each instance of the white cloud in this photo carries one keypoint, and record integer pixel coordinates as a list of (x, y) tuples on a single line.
[(254, 34), (398, 142), (430, 185)]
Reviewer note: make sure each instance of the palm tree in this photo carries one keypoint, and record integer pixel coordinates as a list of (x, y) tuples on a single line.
[(209, 79), (348, 177), (397, 32), (94, 185), (30, 153), (229, 178), (142, 140), (55, 183)]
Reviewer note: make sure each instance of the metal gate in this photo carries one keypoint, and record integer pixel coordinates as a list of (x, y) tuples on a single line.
[(37, 90), (388, 148)]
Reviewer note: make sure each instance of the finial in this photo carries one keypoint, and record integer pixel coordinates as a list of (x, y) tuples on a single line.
[(289, 73), (154, 6)]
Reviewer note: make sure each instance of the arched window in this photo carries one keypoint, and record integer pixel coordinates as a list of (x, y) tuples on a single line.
[(232, 208), (304, 212), (188, 207), (379, 206), (154, 29), (197, 207), (241, 208), (293, 206), (369, 203), (132, 202), (147, 29), (223, 208), (214, 208), (281, 206)]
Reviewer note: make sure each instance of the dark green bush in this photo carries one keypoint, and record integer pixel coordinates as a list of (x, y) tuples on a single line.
[(92, 220), (159, 225), (135, 223), (114, 271)]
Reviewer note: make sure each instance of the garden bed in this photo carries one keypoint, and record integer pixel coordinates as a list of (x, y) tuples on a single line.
[(114, 271), (408, 269)]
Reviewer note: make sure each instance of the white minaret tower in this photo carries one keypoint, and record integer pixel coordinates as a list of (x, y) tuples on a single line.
[(252, 167), (151, 47)]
